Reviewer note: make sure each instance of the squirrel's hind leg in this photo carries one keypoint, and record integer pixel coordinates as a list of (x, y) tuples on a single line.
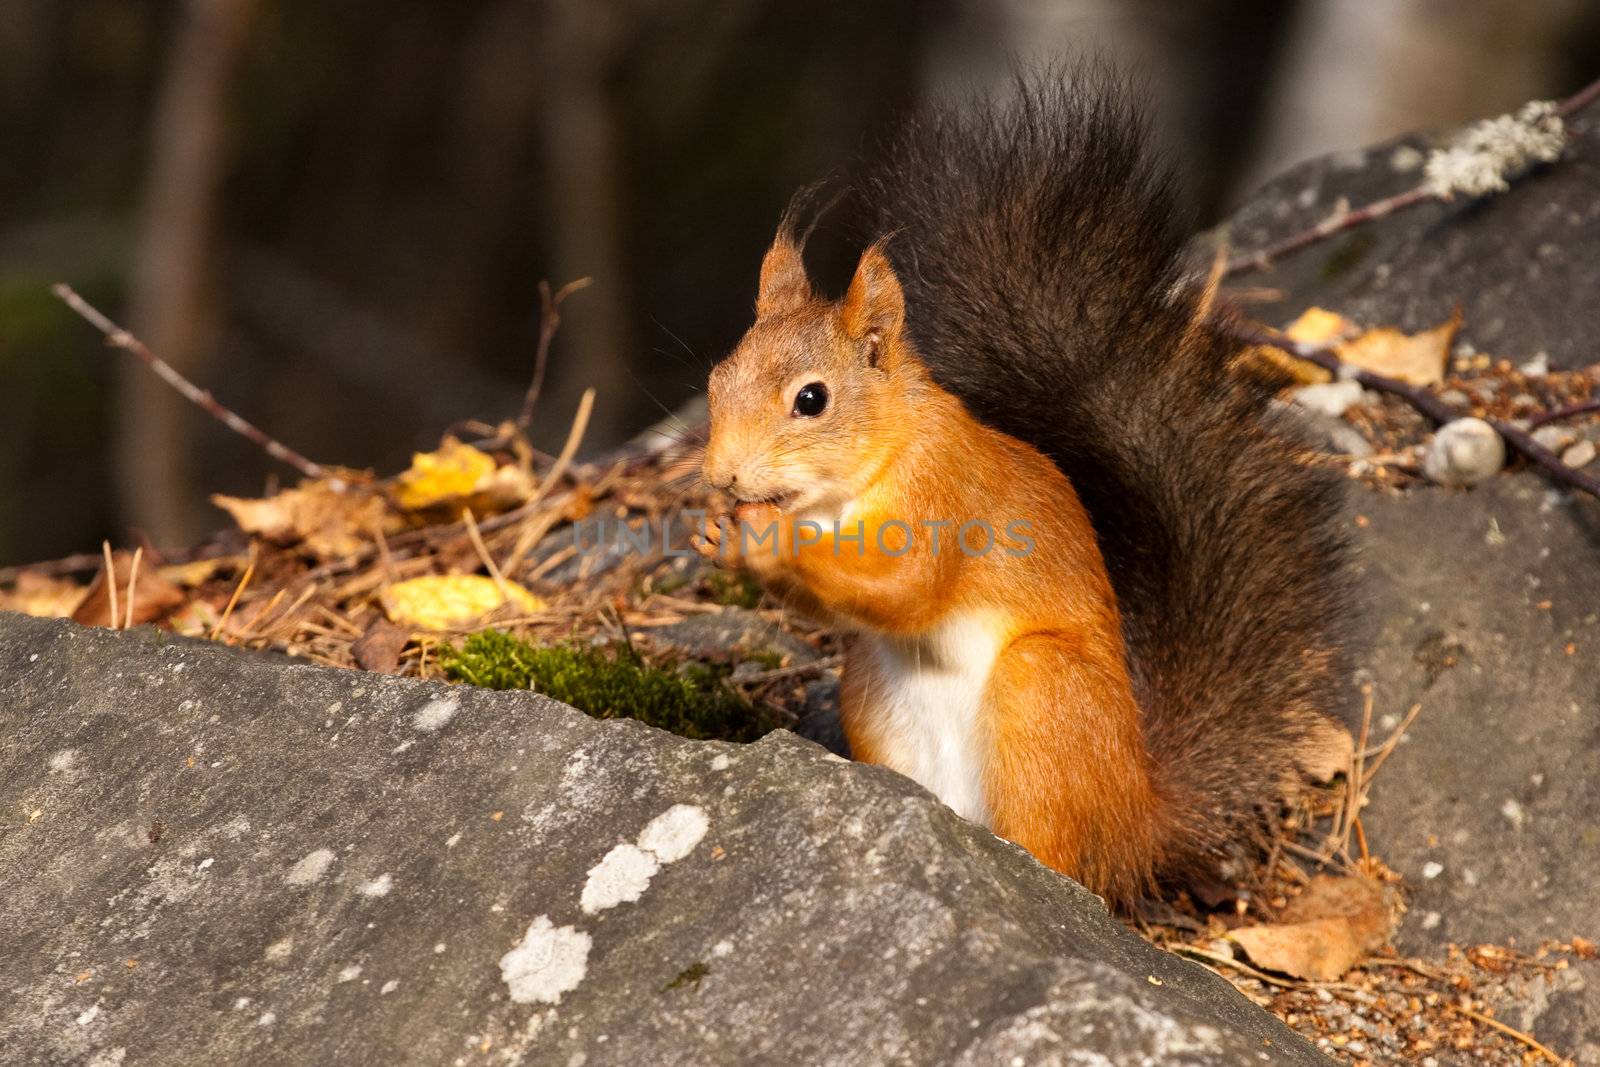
[(1067, 776)]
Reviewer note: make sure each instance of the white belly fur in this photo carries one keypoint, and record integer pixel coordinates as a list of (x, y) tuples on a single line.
[(924, 709)]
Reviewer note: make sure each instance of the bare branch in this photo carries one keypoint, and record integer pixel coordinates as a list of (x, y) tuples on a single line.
[(549, 319), (1262, 258), (117, 337)]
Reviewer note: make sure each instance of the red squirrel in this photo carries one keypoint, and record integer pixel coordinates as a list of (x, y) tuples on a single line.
[(1148, 658)]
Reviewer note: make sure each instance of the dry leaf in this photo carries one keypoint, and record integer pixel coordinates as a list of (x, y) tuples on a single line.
[(451, 473), (378, 650), (1419, 358), (1315, 326), (458, 475), (1332, 926), (200, 571), (453, 601), (153, 595), (43, 596), (329, 522)]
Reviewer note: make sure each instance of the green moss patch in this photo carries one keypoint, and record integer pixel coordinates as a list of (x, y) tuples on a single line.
[(690, 700)]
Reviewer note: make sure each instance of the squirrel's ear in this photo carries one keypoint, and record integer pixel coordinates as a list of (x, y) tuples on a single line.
[(784, 285), (874, 306)]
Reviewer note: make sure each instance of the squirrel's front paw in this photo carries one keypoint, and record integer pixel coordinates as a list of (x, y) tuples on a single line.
[(711, 544)]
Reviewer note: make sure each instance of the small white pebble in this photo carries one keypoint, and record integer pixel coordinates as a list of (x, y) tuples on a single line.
[(1464, 452), (1432, 869), (1431, 920), (438, 949)]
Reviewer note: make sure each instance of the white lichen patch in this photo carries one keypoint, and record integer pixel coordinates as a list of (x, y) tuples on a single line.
[(389, 987), (721, 762), (435, 714), (625, 872), (673, 834), (61, 762), (377, 887), (548, 962), (350, 973), (311, 868), (622, 876), (279, 950)]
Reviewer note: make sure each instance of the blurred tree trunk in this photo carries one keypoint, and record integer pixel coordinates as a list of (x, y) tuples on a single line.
[(172, 301), (582, 159), (1361, 71)]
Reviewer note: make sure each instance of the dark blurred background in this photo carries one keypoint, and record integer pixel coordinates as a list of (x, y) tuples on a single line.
[(336, 215)]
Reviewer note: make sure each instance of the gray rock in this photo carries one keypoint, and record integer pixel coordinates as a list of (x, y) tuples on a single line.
[(1579, 455), (212, 859), (1464, 452), (1329, 398), (1513, 262), (1555, 438), (728, 633), (1472, 603)]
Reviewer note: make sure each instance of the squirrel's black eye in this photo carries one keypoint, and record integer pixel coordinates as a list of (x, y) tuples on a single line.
[(811, 400)]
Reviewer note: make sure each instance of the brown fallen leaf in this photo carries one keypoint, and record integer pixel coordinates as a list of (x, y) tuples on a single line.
[(153, 595), (378, 650), (329, 522), (1419, 358), (43, 596), (1332, 926)]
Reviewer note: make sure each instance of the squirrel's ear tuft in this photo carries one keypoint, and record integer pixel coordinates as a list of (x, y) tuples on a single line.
[(784, 285), (874, 305)]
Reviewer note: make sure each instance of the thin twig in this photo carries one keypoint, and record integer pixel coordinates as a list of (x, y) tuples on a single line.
[(779, 673), (1511, 1032), (111, 581), (483, 554), (238, 591), (1350, 218), (1424, 401), (549, 319), (117, 337), (133, 578), (1566, 412), (580, 425)]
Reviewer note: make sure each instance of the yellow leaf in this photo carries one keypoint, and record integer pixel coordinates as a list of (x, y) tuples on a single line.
[(41, 595), (453, 601), (330, 522), (452, 473), (1316, 326), (1418, 358)]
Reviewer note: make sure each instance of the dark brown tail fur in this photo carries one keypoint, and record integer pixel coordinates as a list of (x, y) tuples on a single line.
[(1043, 267)]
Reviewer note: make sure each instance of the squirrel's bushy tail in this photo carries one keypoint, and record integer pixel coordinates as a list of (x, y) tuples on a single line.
[(1044, 272)]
